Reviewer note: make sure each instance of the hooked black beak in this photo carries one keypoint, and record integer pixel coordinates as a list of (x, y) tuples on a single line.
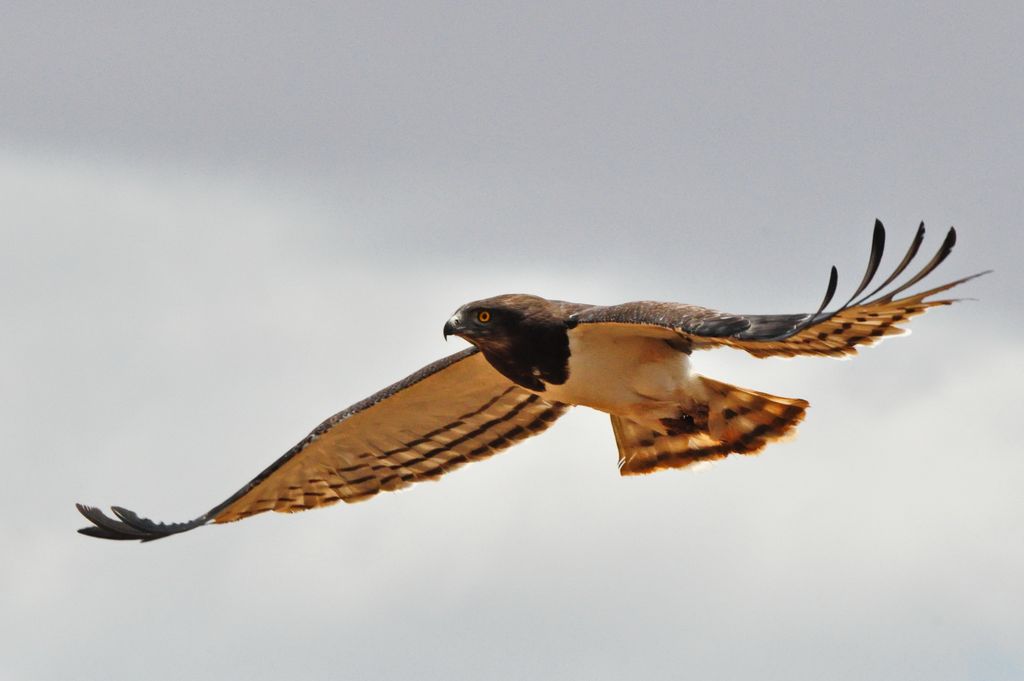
[(451, 327)]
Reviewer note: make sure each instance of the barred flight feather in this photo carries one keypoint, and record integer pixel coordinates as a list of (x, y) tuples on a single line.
[(450, 413), (863, 321)]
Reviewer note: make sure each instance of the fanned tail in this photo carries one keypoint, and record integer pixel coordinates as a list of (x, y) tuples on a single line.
[(732, 420)]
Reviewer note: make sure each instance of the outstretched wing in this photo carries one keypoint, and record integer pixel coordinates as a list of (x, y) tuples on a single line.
[(447, 414), (859, 321)]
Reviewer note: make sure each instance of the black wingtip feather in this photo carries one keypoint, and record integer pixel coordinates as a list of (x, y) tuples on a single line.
[(944, 250), (874, 259), (833, 284), (129, 525), (101, 533), (876, 254), (915, 246), (107, 525), (766, 327)]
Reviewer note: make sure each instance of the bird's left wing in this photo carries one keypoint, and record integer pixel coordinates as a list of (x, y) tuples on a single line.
[(860, 321), (447, 414)]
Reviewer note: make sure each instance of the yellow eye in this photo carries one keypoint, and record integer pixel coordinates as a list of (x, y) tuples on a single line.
[(483, 316)]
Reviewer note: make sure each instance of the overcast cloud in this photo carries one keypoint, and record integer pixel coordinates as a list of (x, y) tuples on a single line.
[(222, 224)]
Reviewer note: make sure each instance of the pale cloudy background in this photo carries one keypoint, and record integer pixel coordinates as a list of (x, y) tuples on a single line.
[(222, 223)]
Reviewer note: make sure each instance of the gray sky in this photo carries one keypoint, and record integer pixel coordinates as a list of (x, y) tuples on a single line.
[(222, 224)]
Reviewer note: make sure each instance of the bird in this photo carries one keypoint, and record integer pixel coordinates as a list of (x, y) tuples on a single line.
[(530, 359)]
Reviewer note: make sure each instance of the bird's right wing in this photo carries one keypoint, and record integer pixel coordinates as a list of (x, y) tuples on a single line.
[(860, 321), (456, 410)]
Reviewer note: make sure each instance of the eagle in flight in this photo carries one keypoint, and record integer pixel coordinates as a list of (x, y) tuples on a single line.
[(531, 359)]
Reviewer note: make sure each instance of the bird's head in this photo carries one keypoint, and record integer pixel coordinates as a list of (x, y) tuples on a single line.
[(493, 321), (522, 336)]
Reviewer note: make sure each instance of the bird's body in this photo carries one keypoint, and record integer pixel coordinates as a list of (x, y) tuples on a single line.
[(533, 359), (624, 374), (663, 414), (612, 369)]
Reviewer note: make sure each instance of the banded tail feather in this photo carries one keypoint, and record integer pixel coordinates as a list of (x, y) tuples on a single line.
[(732, 420)]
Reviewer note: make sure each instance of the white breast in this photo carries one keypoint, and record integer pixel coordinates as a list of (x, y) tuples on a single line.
[(617, 371)]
